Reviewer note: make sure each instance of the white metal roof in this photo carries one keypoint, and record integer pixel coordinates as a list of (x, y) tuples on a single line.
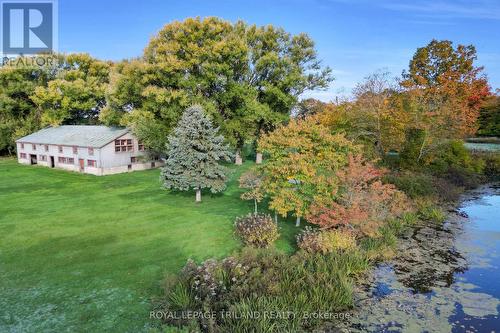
[(76, 135)]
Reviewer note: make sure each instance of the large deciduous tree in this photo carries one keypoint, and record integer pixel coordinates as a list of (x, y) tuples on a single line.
[(444, 91), (304, 158), (195, 150), (18, 113), (246, 77), (77, 94)]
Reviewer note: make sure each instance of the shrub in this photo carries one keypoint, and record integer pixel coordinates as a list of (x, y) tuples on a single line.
[(258, 230), (263, 280), (462, 177), (363, 203), (453, 155), (491, 165), (325, 241), (417, 185), (413, 184), (447, 190)]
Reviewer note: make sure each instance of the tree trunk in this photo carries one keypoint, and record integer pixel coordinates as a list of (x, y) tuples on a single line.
[(238, 159), (198, 195), (258, 158), (255, 203), (297, 221), (275, 218), (421, 152)]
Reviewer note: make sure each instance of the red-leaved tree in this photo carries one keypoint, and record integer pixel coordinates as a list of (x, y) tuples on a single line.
[(363, 203)]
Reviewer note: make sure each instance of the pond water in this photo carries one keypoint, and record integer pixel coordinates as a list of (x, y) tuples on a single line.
[(444, 279), (487, 147)]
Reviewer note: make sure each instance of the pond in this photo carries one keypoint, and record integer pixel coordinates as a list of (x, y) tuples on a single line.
[(445, 278), (486, 147)]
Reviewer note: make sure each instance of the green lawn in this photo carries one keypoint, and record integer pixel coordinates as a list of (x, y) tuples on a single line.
[(80, 253)]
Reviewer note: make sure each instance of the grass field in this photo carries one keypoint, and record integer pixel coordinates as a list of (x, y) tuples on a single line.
[(80, 253)]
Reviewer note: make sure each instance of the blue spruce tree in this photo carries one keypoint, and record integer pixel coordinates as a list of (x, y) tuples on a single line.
[(194, 154)]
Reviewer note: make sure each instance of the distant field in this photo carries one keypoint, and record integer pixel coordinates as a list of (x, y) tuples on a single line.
[(80, 253)]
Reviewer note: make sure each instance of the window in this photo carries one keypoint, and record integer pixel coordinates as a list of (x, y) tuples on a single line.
[(22, 145), (33, 146), (46, 147), (60, 149), (75, 150), (133, 159), (129, 167), (66, 160), (42, 157), (122, 145), (141, 145), (22, 155), (92, 163), (91, 151)]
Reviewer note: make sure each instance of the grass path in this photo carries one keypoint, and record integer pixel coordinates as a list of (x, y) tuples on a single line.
[(80, 253)]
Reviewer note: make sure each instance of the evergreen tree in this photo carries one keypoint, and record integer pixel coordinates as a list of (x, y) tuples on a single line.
[(193, 155)]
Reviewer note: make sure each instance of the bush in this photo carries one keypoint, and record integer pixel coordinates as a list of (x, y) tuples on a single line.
[(263, 280), (413, 184), (362, 203), (491, 165), (325, 241), (453, 155), (462, 177), (420, 185), (258, 230), (446, 190)]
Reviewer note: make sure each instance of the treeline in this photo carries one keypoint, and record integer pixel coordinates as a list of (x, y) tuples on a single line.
[(248, 79)]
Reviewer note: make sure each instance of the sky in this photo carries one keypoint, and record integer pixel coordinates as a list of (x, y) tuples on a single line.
[(355, 38)]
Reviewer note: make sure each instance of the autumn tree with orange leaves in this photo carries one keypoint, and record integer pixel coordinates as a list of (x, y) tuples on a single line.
[(363, 203), (444, 91)]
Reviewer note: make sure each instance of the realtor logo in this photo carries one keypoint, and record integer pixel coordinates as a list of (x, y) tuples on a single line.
[(28, 27)]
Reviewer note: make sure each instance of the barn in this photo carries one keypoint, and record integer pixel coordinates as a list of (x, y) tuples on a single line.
[(97, 150)]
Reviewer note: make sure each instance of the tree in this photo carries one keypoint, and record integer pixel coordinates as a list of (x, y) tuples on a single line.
[(194, 153), (77, 94), (363, 203), (18, 113), (489, 119), (304, 157), (247, 78), (444, 92), (377, 122), (373, 97), (308, 107), (252, 181)]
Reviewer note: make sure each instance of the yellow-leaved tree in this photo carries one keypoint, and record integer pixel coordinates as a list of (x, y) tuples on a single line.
[(303, 160)]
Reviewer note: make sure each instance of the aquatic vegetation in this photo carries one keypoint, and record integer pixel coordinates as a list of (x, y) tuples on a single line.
[(443, 278)]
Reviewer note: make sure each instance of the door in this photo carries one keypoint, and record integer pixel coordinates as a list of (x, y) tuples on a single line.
[(82, 164), (32, 159), (52, 163)]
